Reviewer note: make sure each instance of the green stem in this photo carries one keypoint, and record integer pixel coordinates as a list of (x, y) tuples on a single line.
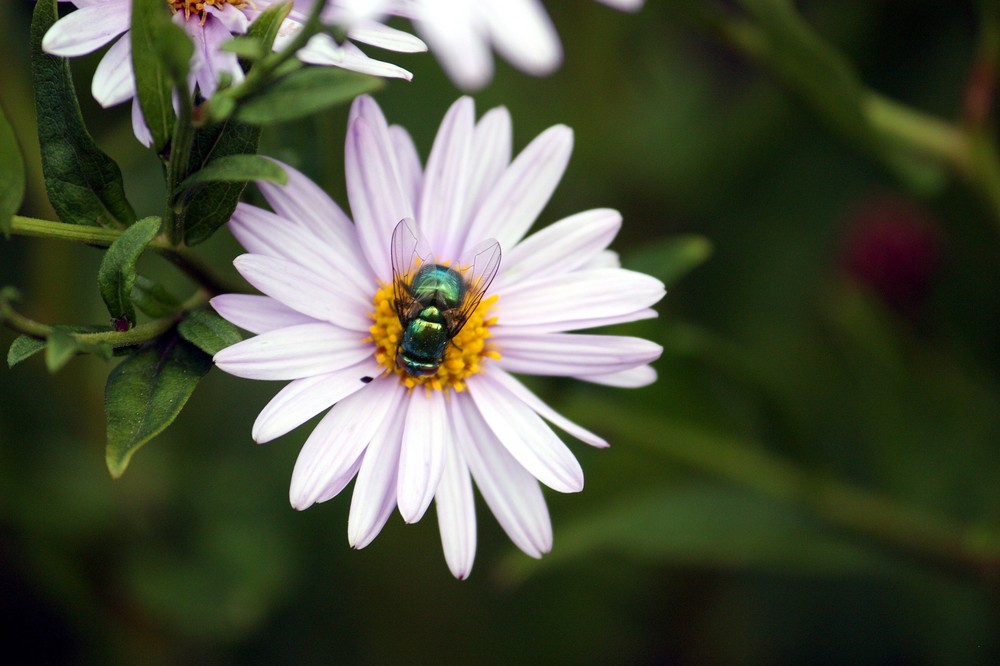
[(856, 510), (919, 131), (177, 167), (180, 255), (130, 338)]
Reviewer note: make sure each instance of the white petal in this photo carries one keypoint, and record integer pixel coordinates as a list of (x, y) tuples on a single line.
[(231, 18), (456, 35), (378, 200), (322, 50), (139, 126), (624, 5), (304, 398), (512, 494), (605, 259), (556, 326), (523, 34), (525, 187), (264, 233), (410, 169), (446, 175), (426, 436), (384, 37), (644, 375), (578, 295), (552, 416), (561, 247), (526, 436), (257, 314), (327, 459), (114, 81), (492, 148), (303, 290), (299, 351), (571, 354), (85, 30), (375, 489), (456, 512)]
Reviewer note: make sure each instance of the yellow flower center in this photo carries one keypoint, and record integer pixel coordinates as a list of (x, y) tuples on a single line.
[(463, 356), (197, 7)]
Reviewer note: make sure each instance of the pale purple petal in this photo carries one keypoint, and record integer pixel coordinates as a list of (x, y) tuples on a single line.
[(512, 493), (113, 81), (456, 512), (304, 203), (258, 314), (445, 180), (374, 495), (523, 33), (231, 18), (579, 295), (410, 167), (374, 187), (426, 435), (556, 325), (209, 60), (382, 36), (561, 247), (85, 30), (322, 50), (264, 233), (521, 392), (525, 187), (491, 146), (303, 290), (327, 459), (605, 259), (293, 352), (304, 398), (644, 375), (570, 354), (526, 436)]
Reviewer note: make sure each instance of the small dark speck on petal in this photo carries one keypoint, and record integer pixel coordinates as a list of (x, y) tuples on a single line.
[(366, 380)]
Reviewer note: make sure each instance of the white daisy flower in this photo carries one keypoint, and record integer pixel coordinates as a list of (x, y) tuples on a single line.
[(394, 322), (461, 34), (210, 23)]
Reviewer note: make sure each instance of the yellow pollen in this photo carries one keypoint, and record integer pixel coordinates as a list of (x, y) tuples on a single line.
[(462, 357), (197, 7)]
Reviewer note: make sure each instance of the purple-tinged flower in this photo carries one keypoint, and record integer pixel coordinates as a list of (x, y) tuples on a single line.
[(462, 33), (210, 23), (336, 295)]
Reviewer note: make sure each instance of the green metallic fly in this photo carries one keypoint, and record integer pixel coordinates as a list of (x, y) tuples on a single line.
[(433, 301)]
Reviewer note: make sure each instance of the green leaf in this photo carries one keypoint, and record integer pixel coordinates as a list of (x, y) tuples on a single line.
[(146, 392), (247, 48), (22, 348), (208, 331), (84, 184), (265, 27), (302, 93), (152, 298), (60, 347), (161, 53), (671, 259), (705, 525), (213, 204), (237, 169), (11, 174), (116, 276)]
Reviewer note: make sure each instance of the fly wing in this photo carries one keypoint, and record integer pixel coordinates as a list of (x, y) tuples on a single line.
[(409, 250), (483, 264)]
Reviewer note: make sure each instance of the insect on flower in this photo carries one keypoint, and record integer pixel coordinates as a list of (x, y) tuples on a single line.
[(434, 301)]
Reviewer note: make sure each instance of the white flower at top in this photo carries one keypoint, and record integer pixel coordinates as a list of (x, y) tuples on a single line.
[(210, 23), (461, 33), (336, 308)]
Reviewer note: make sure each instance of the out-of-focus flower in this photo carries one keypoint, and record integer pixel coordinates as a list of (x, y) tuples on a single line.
[(462, 33), (210, 23), (395, 322)]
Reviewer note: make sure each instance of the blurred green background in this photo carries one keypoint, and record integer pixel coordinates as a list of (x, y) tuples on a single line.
[(814, 477)]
